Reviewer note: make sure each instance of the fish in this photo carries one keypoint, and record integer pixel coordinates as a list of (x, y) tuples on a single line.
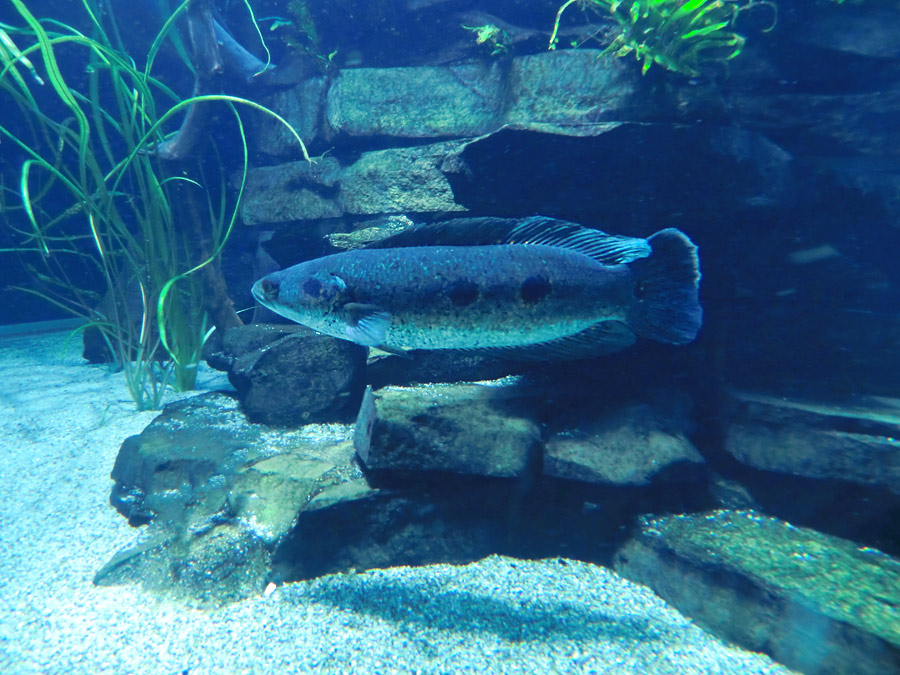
[(532, 288)]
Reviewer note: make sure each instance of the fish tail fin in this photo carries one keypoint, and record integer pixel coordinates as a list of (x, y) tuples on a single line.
[(667, 307)]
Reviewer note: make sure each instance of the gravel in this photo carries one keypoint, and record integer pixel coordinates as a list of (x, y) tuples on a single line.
[(61, 424)]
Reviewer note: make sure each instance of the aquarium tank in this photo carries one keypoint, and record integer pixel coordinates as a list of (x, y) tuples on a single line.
[(443, 336)]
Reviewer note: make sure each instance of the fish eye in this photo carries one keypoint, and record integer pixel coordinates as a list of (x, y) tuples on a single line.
[(269, 287)]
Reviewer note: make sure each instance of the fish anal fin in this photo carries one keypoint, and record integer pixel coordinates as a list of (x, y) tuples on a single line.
[(605, 337)]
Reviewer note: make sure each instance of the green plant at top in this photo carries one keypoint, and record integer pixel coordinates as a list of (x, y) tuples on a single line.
[(298, 31), (679, 35), (97, 204), (491, 35)]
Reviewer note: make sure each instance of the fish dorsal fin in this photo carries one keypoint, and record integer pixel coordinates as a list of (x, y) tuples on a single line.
[(482, 231), (608, 249)]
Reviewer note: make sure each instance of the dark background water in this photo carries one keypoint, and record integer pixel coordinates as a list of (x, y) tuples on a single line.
[(787, 151)]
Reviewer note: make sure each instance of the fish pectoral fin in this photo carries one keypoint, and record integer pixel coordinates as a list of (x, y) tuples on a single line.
[(366, 324)]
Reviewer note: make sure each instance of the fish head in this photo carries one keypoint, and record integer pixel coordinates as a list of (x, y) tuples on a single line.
[(300, 293)]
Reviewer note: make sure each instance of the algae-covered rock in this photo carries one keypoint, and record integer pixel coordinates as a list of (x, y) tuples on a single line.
[(815, 602), (567, 92), (219, 494), (399, 180), (352, 526), (301, 107), (427, 102), (277, 194), (210, 567)]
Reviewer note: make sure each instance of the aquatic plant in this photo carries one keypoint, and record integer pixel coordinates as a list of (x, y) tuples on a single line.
[(491, 35), (98, 204), (679, 35), (298, 31)]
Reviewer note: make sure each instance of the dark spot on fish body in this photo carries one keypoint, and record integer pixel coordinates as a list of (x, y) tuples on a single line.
[(534, 289), (462, 293), (312, 287)]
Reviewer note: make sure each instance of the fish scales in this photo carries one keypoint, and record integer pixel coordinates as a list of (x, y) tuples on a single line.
[(570, 289), (482, 296)]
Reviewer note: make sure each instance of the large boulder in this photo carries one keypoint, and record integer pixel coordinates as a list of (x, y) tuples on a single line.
[(219, 494), (289, 375)]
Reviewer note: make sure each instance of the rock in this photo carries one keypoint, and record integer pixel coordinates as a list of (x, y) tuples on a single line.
[(396, 180), (219, 495), (202, 457), (291, 375), (354, 528), (628, 444), (223, 349), (479, 429), (572, 92), (207, 568), (855, 442), (816, 603), (276, 194), (369, 231), (843, 122), (567, 92), (428, 102), (868, 30), (504, 173), (440, 365), (301, 107), (232, 506), (399, 180)]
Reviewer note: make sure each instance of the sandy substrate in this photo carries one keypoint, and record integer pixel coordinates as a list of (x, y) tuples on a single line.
[(61, 424)]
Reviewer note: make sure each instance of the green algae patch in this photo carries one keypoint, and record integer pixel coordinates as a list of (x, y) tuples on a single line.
[(852, 584), (816, 603)]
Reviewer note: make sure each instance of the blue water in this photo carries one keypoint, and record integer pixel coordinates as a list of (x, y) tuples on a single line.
[(776, 153)]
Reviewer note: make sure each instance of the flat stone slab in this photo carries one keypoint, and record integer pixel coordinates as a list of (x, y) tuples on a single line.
[(470, 428), (814, 602), (857, 442)]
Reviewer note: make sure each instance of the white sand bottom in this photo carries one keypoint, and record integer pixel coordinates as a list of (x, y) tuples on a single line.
[(61, 425)]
